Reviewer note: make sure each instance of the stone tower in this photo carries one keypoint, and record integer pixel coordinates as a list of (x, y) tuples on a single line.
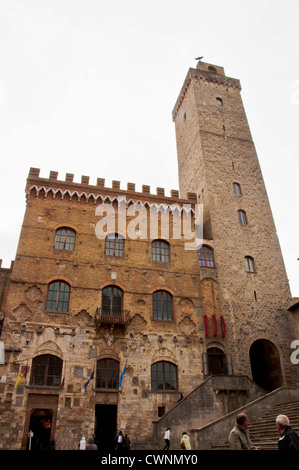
[(217, 160)]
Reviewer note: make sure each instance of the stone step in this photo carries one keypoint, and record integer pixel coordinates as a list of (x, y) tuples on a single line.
[(263, 432)]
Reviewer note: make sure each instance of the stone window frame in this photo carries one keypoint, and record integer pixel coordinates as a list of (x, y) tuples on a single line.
[(206, 257), (114, 245), (237, 189), (113, 308), (60, 296), (172, 374), (242, 217), (108, 377), (160, 250), (68, 241), (249, 264), (45, 370), (158, 305)]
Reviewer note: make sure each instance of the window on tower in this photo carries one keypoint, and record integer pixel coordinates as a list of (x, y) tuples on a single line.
[(242, 217), (160, 251), (249, 264), (206, 257), (114, 245), (219, 101), (65, 239), (237, 189)]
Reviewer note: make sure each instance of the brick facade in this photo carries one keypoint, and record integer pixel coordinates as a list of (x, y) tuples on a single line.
[(213, 309)]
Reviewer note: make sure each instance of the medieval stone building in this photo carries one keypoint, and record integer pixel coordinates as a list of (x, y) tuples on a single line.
[(113, 317)]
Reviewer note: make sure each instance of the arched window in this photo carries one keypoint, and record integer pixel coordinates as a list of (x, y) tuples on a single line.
[(237, 189), (206, 257), (249, 264), (114, 245), (164, 376), (46, 370), (242, 217), (162, 305), (112, 301), (58, 296), (107, 373), (160, 251), (65, 239)]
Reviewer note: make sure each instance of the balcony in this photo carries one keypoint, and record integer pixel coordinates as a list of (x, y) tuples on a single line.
[(107, 316)]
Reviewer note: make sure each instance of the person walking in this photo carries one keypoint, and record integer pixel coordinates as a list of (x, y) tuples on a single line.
[(82, 443), (127, 442), (239, 436), (167, 439), (90, 444), (289, 439), (185, 441), (120, 441)]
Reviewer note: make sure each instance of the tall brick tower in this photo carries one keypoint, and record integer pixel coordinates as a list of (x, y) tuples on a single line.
[(217, 160)]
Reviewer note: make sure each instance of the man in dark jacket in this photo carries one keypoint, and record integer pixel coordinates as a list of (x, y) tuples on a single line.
[(289, 440)]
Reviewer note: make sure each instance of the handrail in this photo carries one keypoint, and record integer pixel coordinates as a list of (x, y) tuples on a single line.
[(112, 315)]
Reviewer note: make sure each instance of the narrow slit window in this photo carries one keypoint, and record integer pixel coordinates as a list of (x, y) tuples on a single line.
[(237, 189), (242, 217), (249, 264)]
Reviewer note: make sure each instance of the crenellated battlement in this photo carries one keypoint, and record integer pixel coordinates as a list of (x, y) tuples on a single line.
[(205, 72), (99, 191)]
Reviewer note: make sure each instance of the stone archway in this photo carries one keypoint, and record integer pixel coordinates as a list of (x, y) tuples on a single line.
[(265, 365)]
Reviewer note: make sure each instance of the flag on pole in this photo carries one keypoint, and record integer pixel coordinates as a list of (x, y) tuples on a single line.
[(90, 378), (22, 375), (122, 375), (63, 377)]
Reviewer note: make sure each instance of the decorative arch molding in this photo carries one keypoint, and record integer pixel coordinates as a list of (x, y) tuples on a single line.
[(216, 344), (117, 231), (108, 353), (49, 347), (68, 225), (164, 354), (165, 288), (59, 278), (113, 282), (76, 196)]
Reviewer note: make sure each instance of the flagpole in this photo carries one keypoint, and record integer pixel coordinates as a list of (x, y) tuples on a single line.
[(63, 375), (122, 376), (22, 375)]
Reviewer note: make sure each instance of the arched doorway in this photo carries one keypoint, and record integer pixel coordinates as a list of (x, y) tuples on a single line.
[(41, 425), (265, 365)]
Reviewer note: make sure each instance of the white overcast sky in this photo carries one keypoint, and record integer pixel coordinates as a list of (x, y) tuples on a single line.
[(88, 87)]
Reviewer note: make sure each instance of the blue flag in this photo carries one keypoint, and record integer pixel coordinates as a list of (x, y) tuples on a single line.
[(122, 375), (90, 378)]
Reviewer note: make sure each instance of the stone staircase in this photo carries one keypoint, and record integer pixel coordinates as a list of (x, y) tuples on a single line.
[(264, 433)]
